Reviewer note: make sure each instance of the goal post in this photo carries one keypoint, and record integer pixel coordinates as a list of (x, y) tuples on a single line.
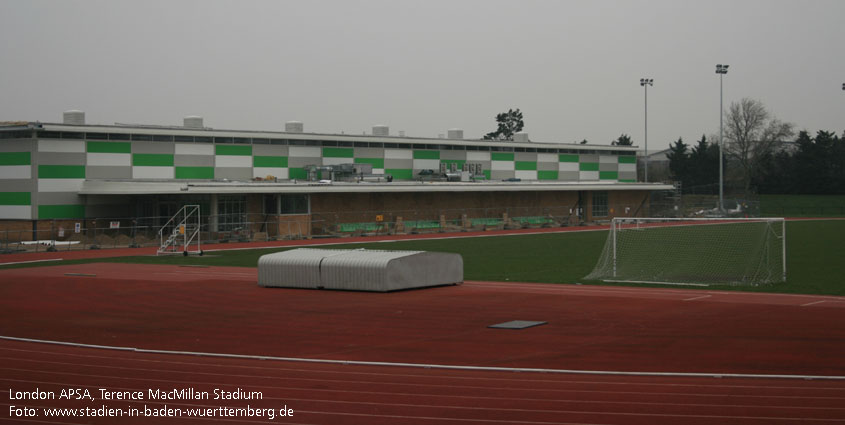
[(694, 251)]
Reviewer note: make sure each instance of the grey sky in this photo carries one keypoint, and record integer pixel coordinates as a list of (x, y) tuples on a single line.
[(573, 67)]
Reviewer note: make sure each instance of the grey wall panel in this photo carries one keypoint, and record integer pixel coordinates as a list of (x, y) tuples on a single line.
[(269, 150), (17, 146), (568, 175), (608, 166), (233, 173), (295, 162), (547, 166), (59, 158), (627, 175), (399, 163), (369, 153), (58, 198), (500, 175), (589, 158), (453, 155), (18, 185), (108, 172), (193, 160), (153, 147), (525, 156)]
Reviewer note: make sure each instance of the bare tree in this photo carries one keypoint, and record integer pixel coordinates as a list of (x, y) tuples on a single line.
[(752, 134)]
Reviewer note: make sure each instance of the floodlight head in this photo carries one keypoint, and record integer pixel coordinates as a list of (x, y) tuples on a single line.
[(843, 86)]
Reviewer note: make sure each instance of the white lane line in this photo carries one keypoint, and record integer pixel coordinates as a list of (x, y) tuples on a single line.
[(813, 303), (697, 298), (30, 261), (121, 360), (425, 365)]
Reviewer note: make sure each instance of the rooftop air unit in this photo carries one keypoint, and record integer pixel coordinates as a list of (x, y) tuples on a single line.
[(456, 133), (74, 117), (381, 130), (193, 121), (294, 127), (521, 137)]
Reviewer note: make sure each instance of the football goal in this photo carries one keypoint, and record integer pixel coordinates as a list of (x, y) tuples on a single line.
[(694, 251)]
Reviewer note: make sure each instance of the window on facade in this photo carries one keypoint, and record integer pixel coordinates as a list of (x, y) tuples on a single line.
[(202, 139), (49, 135), (294, 204), (269, 204), (162, 138), (97, 136), (188, 139), (142, 137), (231, 213), (242, 140), (119, 136), (72, 135), (600, 204)]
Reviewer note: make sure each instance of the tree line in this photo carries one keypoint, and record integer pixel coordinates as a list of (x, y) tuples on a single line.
[(761, 154)]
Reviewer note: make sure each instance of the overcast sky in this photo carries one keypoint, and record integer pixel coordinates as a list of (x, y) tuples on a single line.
[(572, 67)]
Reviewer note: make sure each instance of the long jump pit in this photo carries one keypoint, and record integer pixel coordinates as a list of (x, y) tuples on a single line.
[(604, 355)]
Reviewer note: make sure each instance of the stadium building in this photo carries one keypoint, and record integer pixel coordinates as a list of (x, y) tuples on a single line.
[(64, 174)]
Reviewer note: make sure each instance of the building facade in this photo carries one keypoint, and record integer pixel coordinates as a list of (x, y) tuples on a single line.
[(74, 171)]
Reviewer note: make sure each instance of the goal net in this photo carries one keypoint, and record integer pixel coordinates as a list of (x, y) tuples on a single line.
[(702, 251)]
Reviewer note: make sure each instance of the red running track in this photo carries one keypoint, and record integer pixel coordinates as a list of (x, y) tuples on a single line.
[(222, 310)]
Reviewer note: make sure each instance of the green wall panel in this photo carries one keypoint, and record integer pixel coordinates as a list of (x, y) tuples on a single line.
[(400, 173), (15, 198), (61, 211), (564, 157), (376, 162), (109, 147), (628, 181), (608, 175), (199, 173), (487, 174), (525, 165), (152, 159), (270, 161), (338, 152), (589, 166), (501, 156), (426, 154), (15, 158), (236, 150), (61, 171), (627, 159), (547, 175), (297, 173)]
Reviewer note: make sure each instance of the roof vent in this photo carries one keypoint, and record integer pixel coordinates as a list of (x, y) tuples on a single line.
[(381, 130), (294, 127), (74, 117), (193, 121), (456, 133), (521, 137)]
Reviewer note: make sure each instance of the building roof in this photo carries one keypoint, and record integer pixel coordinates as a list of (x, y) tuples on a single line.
[(137, 129), (158, 187)]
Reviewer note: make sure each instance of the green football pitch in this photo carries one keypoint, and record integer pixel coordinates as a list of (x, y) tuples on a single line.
[(814, 257)]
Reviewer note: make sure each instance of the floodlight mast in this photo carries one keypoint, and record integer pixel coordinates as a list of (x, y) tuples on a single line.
[(721, 70), (645, 82)]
